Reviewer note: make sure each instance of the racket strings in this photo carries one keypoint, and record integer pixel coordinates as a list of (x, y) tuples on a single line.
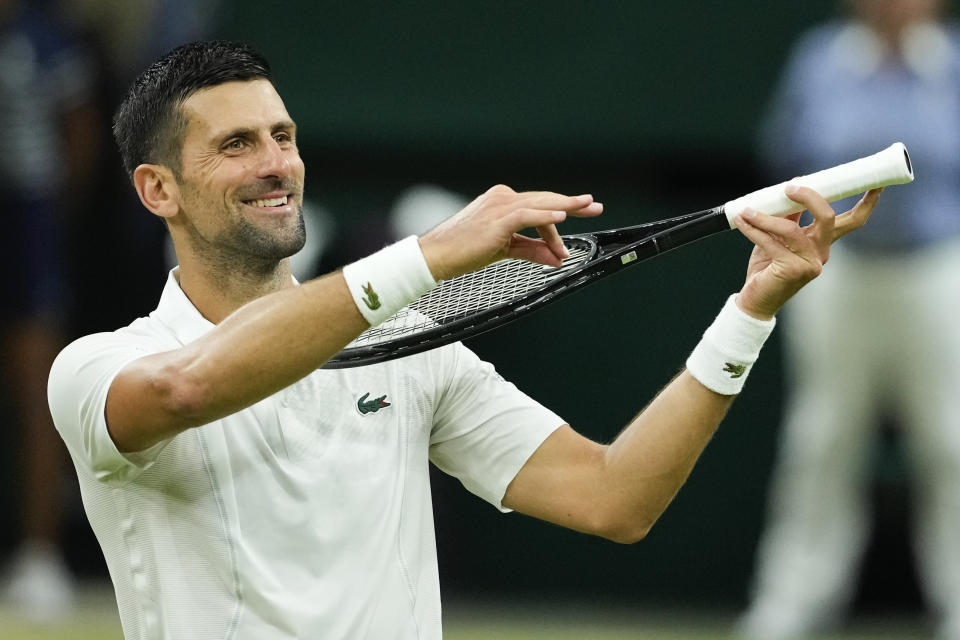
[(497, 284)]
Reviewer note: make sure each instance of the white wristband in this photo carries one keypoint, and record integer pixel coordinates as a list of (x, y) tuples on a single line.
[(728, 349), (383, 283)]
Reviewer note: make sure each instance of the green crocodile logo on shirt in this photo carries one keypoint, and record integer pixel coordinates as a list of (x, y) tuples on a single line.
[(735, 370), (372, 300), (371, 406)]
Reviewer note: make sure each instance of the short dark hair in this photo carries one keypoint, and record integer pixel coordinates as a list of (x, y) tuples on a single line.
[(149, 125)]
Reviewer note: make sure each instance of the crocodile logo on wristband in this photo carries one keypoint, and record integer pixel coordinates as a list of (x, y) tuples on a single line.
[(735, 370), (371, 299)]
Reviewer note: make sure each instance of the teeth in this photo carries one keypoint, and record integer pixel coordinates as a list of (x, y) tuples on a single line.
[(272, 202)]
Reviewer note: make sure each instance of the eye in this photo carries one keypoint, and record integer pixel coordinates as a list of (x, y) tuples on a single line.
[(283, 137), (236, 144)]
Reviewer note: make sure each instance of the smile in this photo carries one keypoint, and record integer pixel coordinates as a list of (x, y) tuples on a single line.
[(268, 202)]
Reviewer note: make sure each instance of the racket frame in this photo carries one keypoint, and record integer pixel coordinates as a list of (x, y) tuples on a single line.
[(609, 252), (615, 249)]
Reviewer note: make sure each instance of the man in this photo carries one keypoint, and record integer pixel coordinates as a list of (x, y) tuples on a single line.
[(239, 491)]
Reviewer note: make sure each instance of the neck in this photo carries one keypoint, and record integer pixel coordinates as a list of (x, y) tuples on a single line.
[(217, 289), (892, 29)]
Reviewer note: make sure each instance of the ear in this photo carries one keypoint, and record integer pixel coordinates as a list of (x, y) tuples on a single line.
[(158, 190)]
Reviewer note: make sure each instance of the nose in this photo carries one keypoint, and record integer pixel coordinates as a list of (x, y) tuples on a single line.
[(274, 160)]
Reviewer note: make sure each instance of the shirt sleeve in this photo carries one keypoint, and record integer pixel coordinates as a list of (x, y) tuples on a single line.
[(485, 429), (77, 393)]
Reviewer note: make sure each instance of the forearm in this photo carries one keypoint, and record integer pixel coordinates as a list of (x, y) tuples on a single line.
[(271, 343), (261, 348), (620, 490), (653, 457)]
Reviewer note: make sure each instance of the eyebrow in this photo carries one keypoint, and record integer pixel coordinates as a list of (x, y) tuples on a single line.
[(250, 132)]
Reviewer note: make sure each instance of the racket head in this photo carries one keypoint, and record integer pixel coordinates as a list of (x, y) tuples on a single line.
[(476, 302), (468, 305)]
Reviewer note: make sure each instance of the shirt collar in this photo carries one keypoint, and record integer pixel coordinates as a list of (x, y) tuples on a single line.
[(178, 314), (926, 49)]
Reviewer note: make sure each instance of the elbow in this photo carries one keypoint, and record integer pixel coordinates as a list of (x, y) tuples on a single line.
[(183, 399), (627, 534), (622, 527), (147, 404)]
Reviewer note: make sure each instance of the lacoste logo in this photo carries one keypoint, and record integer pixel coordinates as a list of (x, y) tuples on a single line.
[(365, 406), (372, 300), (735, 370)]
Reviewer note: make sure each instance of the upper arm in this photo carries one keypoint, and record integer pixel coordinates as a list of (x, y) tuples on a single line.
[(484, 428), (148, 402), (562, 483), (81, 379)]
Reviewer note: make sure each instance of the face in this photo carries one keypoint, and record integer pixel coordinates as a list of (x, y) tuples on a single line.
[(241, 186)]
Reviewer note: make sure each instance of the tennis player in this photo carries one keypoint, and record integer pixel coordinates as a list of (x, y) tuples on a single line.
[(240, 492)]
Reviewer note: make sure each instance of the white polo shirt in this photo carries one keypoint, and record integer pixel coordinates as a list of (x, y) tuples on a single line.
[(307, 515)]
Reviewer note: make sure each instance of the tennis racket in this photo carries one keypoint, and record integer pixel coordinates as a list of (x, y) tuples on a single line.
[(508, 289)]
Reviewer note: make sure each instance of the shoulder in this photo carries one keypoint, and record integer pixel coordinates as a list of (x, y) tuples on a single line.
[(819, 43), (823, 34), (143, 334), (456, 361), (96, 358), (951, 30)]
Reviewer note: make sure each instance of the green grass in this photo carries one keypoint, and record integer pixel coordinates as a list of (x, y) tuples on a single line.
[(92, 629), (96, 619)]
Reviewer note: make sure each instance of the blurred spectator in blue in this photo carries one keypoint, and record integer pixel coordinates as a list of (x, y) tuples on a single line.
[(888, 71), (48, 133)]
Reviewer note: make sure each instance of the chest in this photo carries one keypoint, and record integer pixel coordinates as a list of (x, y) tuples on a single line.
[(363, 419)]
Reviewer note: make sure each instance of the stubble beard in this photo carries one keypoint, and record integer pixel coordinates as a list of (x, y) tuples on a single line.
[(243, 247), (267, 245)]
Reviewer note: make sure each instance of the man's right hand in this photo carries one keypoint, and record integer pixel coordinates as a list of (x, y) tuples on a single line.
[(487, 229)]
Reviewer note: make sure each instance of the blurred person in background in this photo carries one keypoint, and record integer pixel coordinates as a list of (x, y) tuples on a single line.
[(57, 59), (48, 125), (126, 36), (876, 337), (132, 33)]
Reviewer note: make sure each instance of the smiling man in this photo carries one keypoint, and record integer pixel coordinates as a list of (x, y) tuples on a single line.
[(238, 491)]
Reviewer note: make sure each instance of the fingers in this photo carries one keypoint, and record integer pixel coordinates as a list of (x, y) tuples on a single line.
[(552, 239), (782, 239), (551, 243), (533, 250), (536, 218), (829, 227), (551, 200), (579, 206), (592, 209), (824, 217), (783, 231), (785, 259), (487, 229), (787, 256), (762, 230), (858, 216), (543, 210)]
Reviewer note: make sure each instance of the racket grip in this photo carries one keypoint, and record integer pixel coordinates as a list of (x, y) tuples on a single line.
[(888, 167)]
